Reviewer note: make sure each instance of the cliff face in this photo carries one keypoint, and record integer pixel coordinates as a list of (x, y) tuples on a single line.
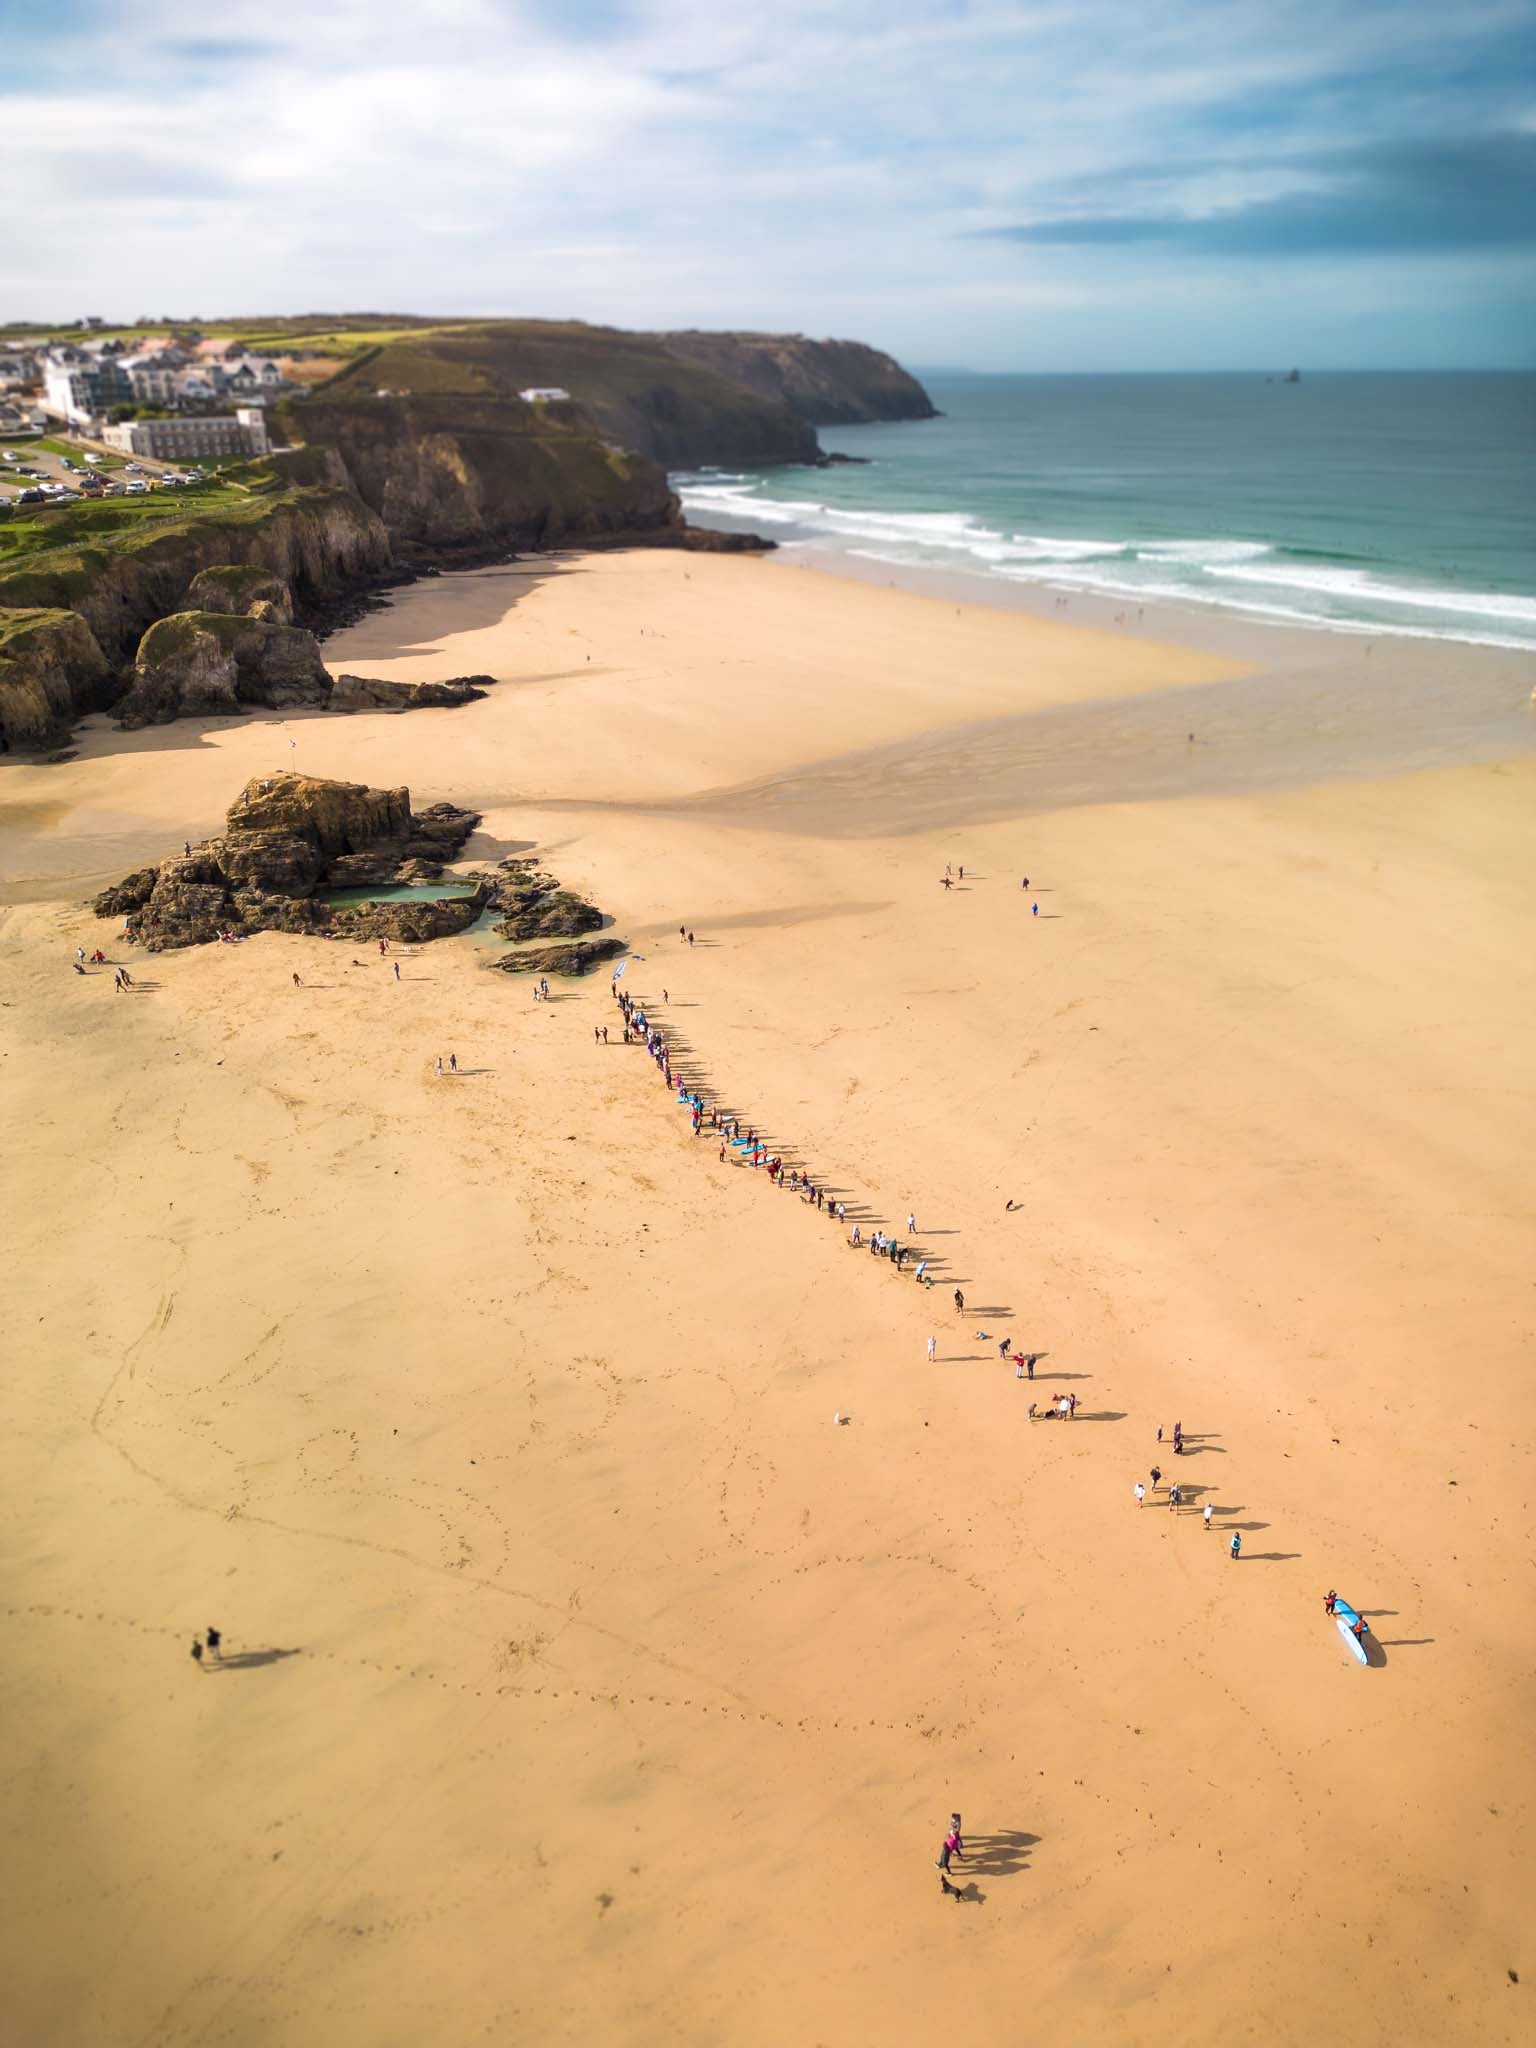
[(194, 663), (51, 673), (630, 389), (421, 447), (318, 542), (828, 383), (460, 471)]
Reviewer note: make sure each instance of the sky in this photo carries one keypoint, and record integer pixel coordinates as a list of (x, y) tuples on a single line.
[(1040, 185)]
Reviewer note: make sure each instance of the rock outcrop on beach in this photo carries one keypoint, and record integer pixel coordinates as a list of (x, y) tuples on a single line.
[(540, 909), (367, 693), (828, 383), (51, 673), (288, 839), (194, 664), (566, 956)]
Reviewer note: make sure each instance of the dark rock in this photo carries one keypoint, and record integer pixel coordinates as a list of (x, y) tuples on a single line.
[(555, 915), (365, 693), (705, 540), (130, 894), (414, 923), (51, 673), (194, 663), (288, 838), (568, 956)]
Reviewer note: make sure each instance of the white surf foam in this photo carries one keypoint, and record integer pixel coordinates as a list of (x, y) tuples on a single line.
[(1361, 587)]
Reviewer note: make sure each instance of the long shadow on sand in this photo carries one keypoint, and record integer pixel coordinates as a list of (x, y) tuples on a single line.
[(253, 1660), (1002, 1854)]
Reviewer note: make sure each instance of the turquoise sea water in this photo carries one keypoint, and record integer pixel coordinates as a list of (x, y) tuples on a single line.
[(398, 892), (1363, 501)]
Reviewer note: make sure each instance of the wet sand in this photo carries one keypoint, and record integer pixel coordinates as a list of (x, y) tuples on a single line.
[(587, 1683)]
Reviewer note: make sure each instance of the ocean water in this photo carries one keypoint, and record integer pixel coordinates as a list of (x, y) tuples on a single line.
[(1362, 501)]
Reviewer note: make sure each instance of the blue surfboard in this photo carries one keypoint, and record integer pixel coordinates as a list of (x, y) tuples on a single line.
[(1345, 1618)]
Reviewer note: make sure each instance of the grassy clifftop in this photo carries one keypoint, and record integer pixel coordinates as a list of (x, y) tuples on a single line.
[(628, 388)]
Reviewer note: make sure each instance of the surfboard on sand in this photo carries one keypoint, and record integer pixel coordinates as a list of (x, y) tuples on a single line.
[(1346, 1617)]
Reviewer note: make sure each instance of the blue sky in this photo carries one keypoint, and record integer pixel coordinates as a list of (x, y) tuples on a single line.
[(1046, 184)]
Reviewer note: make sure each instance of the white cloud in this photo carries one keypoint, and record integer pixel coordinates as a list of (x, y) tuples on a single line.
[(681, 161)]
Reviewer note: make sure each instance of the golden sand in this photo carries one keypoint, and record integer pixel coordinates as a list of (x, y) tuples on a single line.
[(584, 1682)]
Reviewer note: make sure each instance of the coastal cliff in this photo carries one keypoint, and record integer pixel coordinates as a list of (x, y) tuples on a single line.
[(626, 391), (420, 451), (828, 383), (319, 541), (461, 472), (51, 673)]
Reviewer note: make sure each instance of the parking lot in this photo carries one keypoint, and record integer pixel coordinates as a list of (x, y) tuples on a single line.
[(58, 469)]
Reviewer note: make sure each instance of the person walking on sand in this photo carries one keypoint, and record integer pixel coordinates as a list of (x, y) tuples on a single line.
[(954, 1846), (1235, 1547), (439, 1066), (297, 983), (215, 1645), (197, 1653), (1029, 1364), (1034, 910), (1156, 1476), (396, 965), (79, 956), (1018, 1366), (1002, 1347), (959, 1303), (933, 1349), (1071, 1407), (1175, 1498), (690, 938), (1141, 1495), (1206, 1516), (911, 1223), (453, 1063)]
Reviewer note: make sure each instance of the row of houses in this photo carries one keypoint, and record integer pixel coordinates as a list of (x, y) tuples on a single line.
[(213, 395), (81, 385)]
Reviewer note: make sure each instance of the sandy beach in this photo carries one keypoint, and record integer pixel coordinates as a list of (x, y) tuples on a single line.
[(583, 1680)]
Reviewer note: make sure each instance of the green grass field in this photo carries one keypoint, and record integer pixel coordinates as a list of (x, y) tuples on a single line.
[(32, 529)]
